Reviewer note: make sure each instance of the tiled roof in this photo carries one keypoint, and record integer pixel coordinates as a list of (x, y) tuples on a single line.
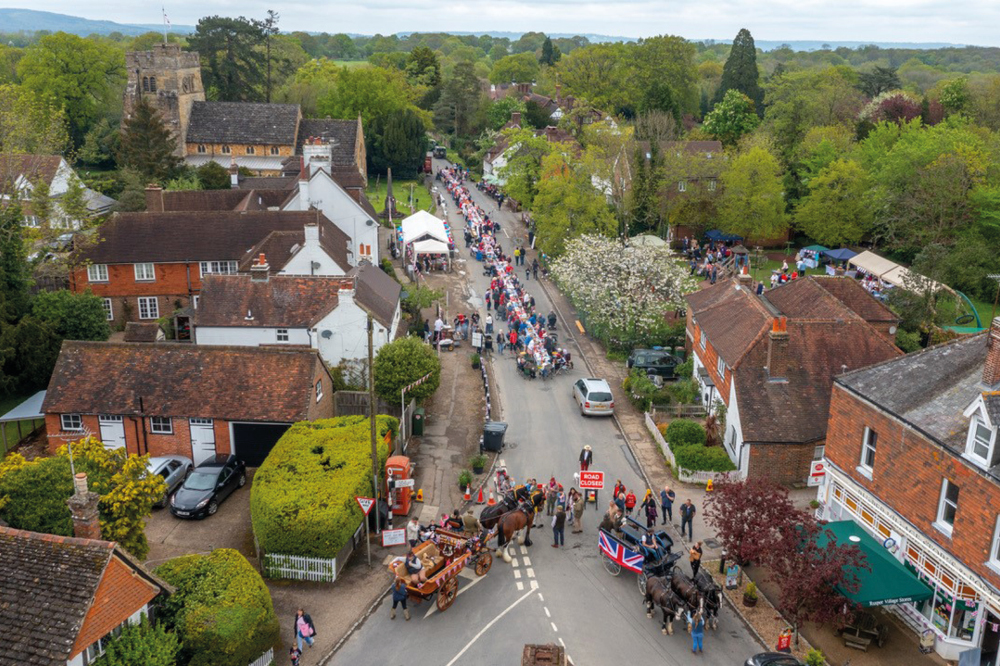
[(268, 183), (32, 167), (929, 389), (47, 584), (991, 399), (226, 383), (212, 200), (141, 331), (343, 132), (850, 292), (805, 299), (200, 236), (282, 301), (731, 318), (243, 123), (376, 292)]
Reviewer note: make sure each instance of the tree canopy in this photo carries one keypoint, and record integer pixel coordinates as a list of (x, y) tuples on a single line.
[(740, 72)]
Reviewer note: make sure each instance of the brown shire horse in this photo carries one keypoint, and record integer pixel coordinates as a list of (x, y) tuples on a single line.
[(659, 593), (490, 516), (509, 522)]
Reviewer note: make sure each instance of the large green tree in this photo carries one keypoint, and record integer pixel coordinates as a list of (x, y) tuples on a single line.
[(567, 205), (461, 99), (550, 53), (523, 169), (147, 145), (732, 118), (752, 202), (519, 68), (72, 316), (84, 77), (402, 362), (835, 212), (878, 80), (233, 64), (740, 71), (398, 142), (369, 92)]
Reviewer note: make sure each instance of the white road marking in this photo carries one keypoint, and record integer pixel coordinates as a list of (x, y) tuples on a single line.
[(527, 561), (541, 598), (524, 550), (517, 573), (513, 562), (505, 232), (531, 572), (461, 591), (487, 627), (561, 642), (534, 585), (554, 627), (547, 613), (520, 586)]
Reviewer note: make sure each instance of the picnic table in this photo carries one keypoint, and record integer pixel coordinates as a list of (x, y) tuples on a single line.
[(864, 631)]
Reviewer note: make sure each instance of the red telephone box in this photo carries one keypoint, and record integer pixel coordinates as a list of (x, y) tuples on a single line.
[(397, 468)]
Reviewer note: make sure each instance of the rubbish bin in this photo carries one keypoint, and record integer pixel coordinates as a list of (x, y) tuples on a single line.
[(493, 432), (417, 422)]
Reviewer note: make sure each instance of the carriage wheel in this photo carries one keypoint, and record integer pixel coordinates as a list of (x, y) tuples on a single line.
[(447, 594), (484, 562), (641, 579), (613, 567)]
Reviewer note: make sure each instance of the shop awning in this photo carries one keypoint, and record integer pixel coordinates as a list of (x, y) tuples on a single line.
[(888, 582)]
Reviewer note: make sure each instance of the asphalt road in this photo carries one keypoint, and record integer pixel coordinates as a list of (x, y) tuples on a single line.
[(546, 595)]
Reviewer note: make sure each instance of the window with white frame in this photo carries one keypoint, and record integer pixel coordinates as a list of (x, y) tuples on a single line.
[(274, 150), (868, 445), (281, 335), (97, 648), (980, 440), (30, 221), (251, 150), (711, 185), (319, 390), (219, 267), (71, 422), (161, 425), (682, 186), (947, 506), (144, 273), (721, 367), (201, 149), (149, 307), (108, 308), (194, 301), (702, 340), (995, 546), (365, 250), (97, 273)]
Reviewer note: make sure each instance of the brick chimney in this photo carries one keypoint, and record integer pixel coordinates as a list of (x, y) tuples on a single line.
[(745, 279), (83, 507), (777, 350), (259, 270), (154, 198), (515, 118), (991, 369)]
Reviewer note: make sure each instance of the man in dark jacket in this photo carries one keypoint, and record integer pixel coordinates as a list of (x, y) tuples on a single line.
[(667, 497), (586, 458), (687, 517)]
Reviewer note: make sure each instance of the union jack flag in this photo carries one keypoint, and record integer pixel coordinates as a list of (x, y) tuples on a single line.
[(620, 554)]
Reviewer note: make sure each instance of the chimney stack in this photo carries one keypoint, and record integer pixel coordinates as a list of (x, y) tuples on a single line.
[(83, 508), (154, 198), (515, 118), (259, 271), (745, 279), (991, 369), (777, 350), (234, 174)]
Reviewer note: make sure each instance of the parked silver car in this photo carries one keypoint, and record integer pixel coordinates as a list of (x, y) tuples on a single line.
[(173, 469), (594, 397)]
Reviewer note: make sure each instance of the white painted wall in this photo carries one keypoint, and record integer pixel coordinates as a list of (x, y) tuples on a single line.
[(324, 194), (247, 336), (311, 251), (738, 452)]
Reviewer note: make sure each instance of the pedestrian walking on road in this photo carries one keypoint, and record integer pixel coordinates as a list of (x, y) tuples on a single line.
[(399, 595), (551, 493), (586, 458), (500, 342), (559, 527), (650, 514), (578, 506), (413, 532), (667, 497), (687, 516), (695, 557), (696, 625), (629, 503), (534, 268), (305, 630), (620, 501), (294, 654)]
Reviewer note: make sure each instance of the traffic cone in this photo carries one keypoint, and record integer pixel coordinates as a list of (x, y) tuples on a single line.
[(468, 493), (708, 486), (480, 500), (492, 501), (420, 495)]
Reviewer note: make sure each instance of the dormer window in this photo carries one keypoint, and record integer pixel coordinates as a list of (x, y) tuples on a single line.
[(981, 443)]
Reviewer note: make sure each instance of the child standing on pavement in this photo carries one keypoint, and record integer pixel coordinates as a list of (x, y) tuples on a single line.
[(399, 595), (294, 653)]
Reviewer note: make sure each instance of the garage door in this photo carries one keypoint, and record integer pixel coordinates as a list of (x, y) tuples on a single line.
[(253, 441)]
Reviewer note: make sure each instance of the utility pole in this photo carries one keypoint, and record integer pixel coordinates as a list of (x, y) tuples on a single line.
[(371, 418)]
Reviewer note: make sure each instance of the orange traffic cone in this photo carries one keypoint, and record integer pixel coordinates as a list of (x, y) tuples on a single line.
[(420, 495), (480, 500), (493, 500), (468, 493), (708, 486)]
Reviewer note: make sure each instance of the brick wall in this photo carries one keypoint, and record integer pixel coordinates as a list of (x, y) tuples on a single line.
[(179, 443), (324, 409), (239, 150), (907, 476), (174, 284), (786, 464)]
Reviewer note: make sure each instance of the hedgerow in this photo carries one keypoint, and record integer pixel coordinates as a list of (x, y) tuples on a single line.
[(302, 500), (681, 433), (701, 458)]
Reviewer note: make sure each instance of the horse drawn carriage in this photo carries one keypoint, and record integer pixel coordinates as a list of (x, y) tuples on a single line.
[(444, 556)]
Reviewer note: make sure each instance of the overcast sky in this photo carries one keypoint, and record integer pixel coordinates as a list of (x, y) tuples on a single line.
[(961, 22)]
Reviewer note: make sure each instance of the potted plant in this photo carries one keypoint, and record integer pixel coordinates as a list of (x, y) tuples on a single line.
[(814, 504), (475, 361), (815, 658), (478, 463), (464, 479), (750, 595)]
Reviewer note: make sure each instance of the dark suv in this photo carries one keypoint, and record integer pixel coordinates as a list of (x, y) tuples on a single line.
[(654, 362), (208, 484)]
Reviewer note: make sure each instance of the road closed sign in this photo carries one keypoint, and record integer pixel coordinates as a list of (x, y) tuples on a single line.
[(592, 480), (817, 470)]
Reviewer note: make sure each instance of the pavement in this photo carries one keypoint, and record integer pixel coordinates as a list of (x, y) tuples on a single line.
[(546, 594)]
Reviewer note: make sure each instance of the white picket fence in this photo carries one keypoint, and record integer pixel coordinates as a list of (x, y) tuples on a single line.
[(264, 660), (685, 475), (296, 567)]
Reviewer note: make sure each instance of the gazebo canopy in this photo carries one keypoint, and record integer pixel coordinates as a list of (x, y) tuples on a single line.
[(647, 240), (816, 248), (739, 249), (894, 274), (842, 254), (422, 225), (721, 237), (429, 246)]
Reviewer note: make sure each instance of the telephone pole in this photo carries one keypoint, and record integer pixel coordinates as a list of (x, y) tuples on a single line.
[(371, 419)]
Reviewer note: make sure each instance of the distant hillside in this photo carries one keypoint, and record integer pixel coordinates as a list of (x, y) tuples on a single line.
[(29, 20)]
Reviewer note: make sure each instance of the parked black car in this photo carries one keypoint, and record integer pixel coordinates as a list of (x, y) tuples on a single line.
[(773, 659), (208, 484), (654, 362)]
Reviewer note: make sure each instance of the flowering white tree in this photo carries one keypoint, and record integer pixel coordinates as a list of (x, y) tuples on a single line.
[(623, 290)]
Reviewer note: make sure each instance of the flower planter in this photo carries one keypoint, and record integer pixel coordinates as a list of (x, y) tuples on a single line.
[(478, 469), (749, 602)]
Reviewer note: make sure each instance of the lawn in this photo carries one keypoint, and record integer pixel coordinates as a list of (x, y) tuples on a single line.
[(401, 190)]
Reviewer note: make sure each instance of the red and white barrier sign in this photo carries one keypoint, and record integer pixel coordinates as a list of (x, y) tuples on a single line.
[(592, 480)]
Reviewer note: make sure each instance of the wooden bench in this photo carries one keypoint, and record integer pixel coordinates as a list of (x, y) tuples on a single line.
[(857, 642)]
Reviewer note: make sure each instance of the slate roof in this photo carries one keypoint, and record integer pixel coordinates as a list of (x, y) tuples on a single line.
[(280, 246), (243, 123), (282, 301), (141, 331), (268, 182), (226, 383), (177, 236), (991, 399), (376, 292), (929, 389), (214, 200), (343, 132)]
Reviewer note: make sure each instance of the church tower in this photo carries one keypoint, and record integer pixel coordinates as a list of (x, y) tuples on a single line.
[(170, 80)]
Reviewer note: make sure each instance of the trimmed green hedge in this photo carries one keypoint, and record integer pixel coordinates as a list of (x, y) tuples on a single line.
[(682, 432), (302, 500), (701, 458), (221, 611)]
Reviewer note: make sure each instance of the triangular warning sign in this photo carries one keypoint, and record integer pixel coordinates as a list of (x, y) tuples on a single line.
[(366, 503)]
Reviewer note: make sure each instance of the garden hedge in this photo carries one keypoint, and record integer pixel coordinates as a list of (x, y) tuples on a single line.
[(701, 458), (682, 432), (302, 500), (221, 609)]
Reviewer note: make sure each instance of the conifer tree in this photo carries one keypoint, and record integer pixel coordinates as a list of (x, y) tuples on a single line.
[(740, 71)]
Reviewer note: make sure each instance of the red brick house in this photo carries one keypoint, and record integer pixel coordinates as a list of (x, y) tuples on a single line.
[(63, 599), (147, 265), (913, 457), (771, 360), (190, 400)]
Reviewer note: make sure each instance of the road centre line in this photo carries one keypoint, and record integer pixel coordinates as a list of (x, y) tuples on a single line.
[(487, 627)]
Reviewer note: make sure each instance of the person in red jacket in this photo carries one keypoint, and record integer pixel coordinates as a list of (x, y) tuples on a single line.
[(629, 503)]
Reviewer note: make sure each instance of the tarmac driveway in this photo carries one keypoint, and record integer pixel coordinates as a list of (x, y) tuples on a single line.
[(171, 537)]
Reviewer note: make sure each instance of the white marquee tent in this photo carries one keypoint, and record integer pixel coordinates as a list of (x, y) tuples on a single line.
[(893, 274), (421, 226)]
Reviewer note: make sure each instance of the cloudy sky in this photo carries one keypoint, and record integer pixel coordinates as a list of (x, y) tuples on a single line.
[(962, 22)]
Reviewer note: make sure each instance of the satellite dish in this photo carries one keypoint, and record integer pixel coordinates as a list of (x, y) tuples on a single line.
[(892, 330), (327, 334), (369, 222)]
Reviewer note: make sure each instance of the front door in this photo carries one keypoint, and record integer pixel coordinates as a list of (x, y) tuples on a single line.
[(991, 640), (112, 430), (202, 440)]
